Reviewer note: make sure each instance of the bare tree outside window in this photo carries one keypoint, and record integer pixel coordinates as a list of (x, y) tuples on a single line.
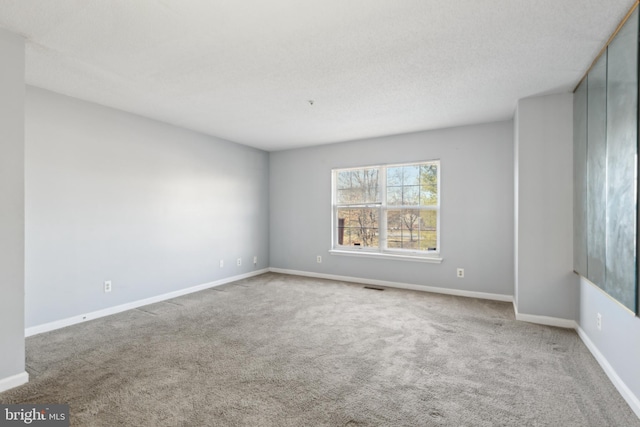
[(411, 188), (358, 194)]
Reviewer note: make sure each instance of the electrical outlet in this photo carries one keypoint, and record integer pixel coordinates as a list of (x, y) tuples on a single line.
[(319, 259), (255, 260), (107, 285), (599, 321), (460, 273), (239, 262), (221, 263)]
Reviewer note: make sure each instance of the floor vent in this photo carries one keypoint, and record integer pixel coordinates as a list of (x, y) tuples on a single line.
[(375, 289)]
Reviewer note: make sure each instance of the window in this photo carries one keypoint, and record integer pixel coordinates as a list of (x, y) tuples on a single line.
[(387, 210)]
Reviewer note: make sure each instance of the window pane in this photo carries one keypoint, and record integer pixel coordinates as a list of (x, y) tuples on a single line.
[(429, 185), (411, 175), (394, 176), (358, 227), (346, 218), (344, 179), (344, 196), (394, 229), (395, 242), (428, 230), (359, 237), (372, 186), (403, 228), (394, 196), (410, 195), (364, 186), (412, 229)]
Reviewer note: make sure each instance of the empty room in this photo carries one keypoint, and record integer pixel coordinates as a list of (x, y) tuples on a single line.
[(323, 213)]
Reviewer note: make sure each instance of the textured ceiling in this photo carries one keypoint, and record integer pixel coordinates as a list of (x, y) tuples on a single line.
[(245, 70)]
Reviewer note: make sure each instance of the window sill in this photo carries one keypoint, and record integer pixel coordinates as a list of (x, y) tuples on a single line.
[(416, 258)]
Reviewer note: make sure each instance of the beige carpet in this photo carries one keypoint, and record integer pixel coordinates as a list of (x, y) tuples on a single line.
[(279, 350)]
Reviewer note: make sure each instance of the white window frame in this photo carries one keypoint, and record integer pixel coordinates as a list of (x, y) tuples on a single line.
[(382, 251)]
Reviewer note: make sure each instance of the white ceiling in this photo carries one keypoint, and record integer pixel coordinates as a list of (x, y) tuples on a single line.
[(245, 70)]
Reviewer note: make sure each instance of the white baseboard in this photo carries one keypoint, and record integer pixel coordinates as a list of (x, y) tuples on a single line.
[(619, 384), (622, 388), (46, 327), (13, 381), (436, 290), (544, 320)]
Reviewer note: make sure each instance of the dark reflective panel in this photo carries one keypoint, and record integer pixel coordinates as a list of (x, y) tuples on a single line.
[(596, 172), (580, 179), (622, 90)]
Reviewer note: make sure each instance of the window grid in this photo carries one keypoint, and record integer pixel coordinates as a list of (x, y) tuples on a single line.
[(376, 220)]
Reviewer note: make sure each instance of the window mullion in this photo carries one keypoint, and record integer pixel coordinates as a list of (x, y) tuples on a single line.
[(382, 226)]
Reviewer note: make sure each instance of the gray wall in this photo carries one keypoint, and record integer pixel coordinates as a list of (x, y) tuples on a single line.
[(545, 283), (476, 207), (11, 205), (151, 207), (618, 339)]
